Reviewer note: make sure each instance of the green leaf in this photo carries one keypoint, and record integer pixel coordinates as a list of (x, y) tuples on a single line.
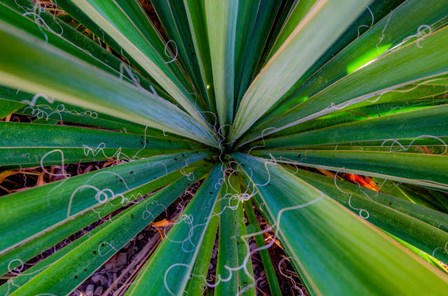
[(430, 259), (409, 21), (221, 17), (400, 191), (66, 273), (8, 107), (420, 94), (39, 210), (195, 12), (423, 169), (198, 280), (428, 122), (296, 15), (250, 51), (421, 59), (44, 110), (26, 251), (44, 26), (227, 266), (247, 280), (311, 37), (181, 245), (370, 206), (173, 16), (271, 276), (27, 145), (31, 62), (362, 258), (126, 23), (234, 268)]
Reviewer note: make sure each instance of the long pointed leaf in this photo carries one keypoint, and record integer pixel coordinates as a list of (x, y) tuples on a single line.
[(312, 36), (102, 244), (360, 260), (40, 209), (181, 246), (421, 59), (416, 168), (25, 62)]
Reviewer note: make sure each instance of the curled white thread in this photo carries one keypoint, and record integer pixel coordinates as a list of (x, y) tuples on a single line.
[(36, 12), (363, 213), (63, 174), (19, 268), (111, 248), (165, 280), (144, 143), (262, 139), (125, 68), (294, 284), (371, 23), (101, 196), (162, 164), (36, 97), (406, 148), (146, 214), (422, 32), (443, 249), (249, 253), (383, 31), (168, 52)]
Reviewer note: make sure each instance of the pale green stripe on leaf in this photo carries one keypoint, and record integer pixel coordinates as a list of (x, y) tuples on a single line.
[(221, 17), (309, 40), (411, 20), (130, 35), (409, 63)]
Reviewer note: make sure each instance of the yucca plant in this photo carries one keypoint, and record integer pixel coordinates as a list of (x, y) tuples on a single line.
[(326, 118)]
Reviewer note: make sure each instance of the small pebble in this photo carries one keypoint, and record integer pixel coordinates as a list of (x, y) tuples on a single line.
[(96, 278), (121, 260), (89, 290), (98, 291)]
